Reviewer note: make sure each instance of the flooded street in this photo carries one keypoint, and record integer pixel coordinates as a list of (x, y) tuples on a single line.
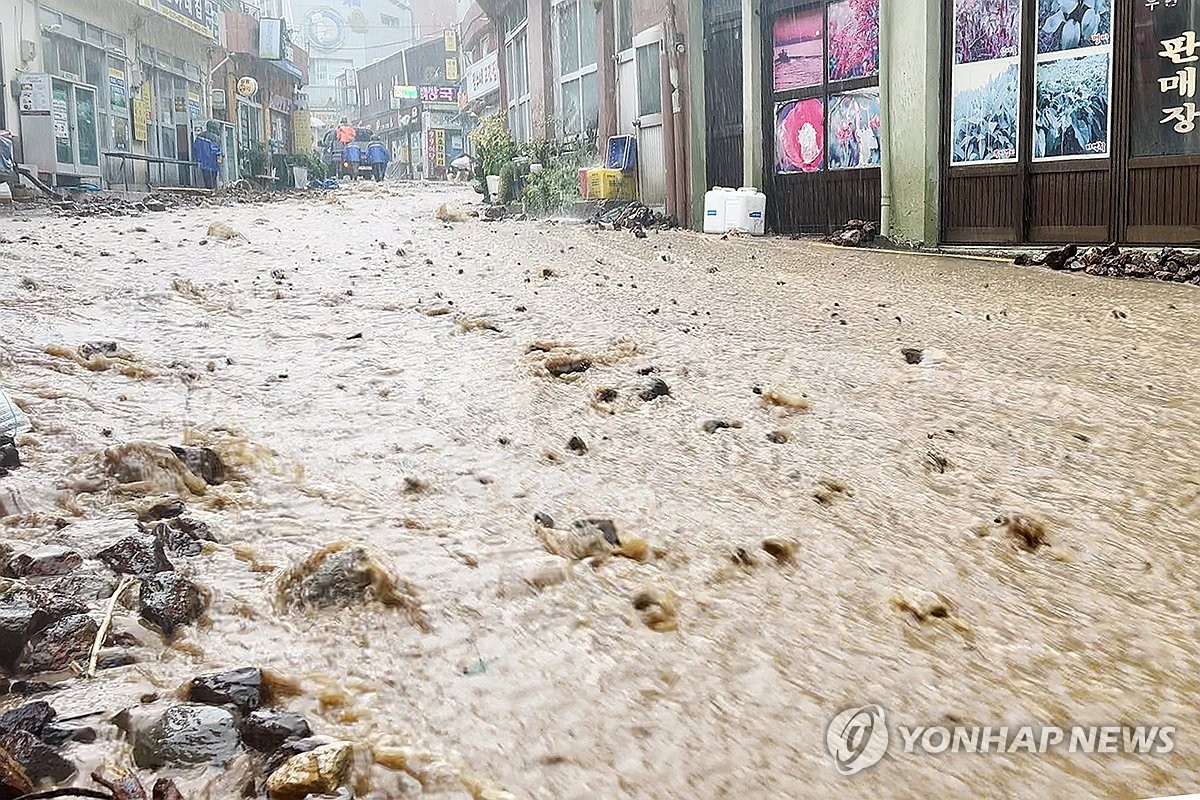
[(1002, 533)]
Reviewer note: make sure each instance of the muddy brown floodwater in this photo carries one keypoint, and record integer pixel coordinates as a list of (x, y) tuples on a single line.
[(373, 375)]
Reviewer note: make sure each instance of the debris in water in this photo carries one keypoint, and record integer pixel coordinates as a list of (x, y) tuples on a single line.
[(344, 574), (147, 468), (936, 462), (778, 437), (593, 537), (714, 425), (657, 388), (478, 324), (542, 518), (446, 213), (784, 400), (202, 462), (97, 360), (577, 446), (561, 365), (1029, 533), (657, 609), (829, 489), (922, 604), (224, 232), (912, 355), (782, 550)]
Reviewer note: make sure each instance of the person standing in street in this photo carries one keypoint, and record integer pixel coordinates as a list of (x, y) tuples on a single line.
[(351, 156), (377, 156), (206, 152)]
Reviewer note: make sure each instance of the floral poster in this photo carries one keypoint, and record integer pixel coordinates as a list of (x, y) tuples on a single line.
[(1071, 108), (985, 30), (1071, 24), (799, 50), (853, 39), (799, 136), (983, 112), (854, 130)]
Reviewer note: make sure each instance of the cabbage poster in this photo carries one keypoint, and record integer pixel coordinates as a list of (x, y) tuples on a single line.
[(986, 81)]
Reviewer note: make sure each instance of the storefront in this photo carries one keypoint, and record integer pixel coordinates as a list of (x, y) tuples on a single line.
[(822, 124), (1071, 124)]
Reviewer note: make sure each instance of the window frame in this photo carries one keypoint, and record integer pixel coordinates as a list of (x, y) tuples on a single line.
[(519, 104), (573, 82)]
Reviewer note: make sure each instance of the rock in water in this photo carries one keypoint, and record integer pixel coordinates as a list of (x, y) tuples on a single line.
[(319, 771), (53, 648), (266, 730), (141, 556), (203, 462), (169, 600), (44, 562), (188, 734), (163, 508), (31, 718), (17, 625), (658, 388), (13, 780), (38, 760), (344, 574), (165, 789), (242, 688), (912, 355)]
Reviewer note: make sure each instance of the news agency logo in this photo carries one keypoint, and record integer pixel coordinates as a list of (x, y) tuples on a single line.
[(858, 738)]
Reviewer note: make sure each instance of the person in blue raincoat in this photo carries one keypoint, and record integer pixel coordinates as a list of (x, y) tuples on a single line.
[(206, 152), (351, 156), (377, 156)]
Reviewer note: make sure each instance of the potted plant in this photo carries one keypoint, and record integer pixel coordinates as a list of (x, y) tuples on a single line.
[(495, 148)]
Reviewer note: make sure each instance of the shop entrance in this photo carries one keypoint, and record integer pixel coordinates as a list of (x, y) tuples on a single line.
[(723, 93), (1071, 126), (821, 121)]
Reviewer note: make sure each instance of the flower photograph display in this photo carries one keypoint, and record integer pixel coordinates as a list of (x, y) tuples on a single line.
[(1071, 109), (986, 29), (799, 136), (854, 130), (799, 50), (853, 39), (1071, 24), (983, 112)]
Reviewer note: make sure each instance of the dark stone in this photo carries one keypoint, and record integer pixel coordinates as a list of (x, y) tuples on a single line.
[(30, 688), (103, 347), (777, 437), (10, 457), (114, 658), (44, 562), (647, 370), (31, 718), (40, 761), (95, 583), (168, 508), (169, 600), (340, 578), (203, 462), (154, 205), (912, 355), (266, 730), (14, 783), (59, 734), (714, 425), (568, 366), (1057, 259), (139, 555), (242, 688), (183, 536), (543, 519), (606, 395), (188, 734), (53, 604), (577, 445), (55, 647), (17, 626), (658, 388), (165, 789), (605, 527)]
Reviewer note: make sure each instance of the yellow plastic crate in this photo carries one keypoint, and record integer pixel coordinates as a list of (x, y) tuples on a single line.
[(611, 184)]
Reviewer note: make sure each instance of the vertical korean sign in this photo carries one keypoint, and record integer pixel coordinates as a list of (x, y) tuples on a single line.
[(1166, 68)]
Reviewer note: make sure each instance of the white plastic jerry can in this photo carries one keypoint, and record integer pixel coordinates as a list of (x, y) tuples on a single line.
[(747, 211), (716, 205)]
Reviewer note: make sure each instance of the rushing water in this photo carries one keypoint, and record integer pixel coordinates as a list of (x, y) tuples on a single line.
[(433, 439)]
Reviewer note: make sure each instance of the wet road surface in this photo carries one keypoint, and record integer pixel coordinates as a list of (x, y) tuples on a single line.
[(373, 374)]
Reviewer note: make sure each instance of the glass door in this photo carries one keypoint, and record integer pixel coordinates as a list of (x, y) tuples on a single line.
[(85, 128), (64, 140)]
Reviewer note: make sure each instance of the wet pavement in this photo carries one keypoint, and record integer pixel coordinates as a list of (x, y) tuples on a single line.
[(785, 488)]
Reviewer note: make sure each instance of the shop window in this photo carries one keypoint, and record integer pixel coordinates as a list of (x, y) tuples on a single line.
[(825, 79), (389, 21), (624, 25), (517, 70), (576, 22), (649, 81), (70, 59)]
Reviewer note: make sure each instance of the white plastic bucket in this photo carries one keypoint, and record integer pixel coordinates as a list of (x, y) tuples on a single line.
[(716, 210), (746, 211), (493, 187)]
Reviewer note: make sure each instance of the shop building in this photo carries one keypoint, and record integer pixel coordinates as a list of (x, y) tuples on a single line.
[(585, 70), (997, 122), (480, 57), (106, 92), (257, 94), (410, 100)]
